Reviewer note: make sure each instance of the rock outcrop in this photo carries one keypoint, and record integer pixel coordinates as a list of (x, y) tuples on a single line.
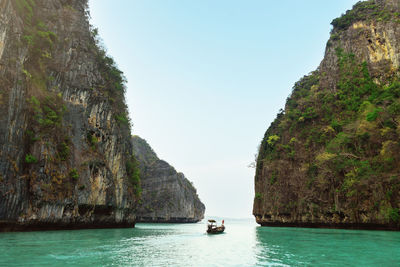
[(331, 157), (167, 195), (65, 150)]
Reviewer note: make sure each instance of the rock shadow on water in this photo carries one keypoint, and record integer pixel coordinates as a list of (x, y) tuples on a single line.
[(306, 246)]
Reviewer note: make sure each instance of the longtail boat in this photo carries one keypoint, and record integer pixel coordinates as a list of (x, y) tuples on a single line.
[(212, 227)]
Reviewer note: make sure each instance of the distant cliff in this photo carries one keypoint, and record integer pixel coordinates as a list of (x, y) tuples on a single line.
[(167, 195), (65, 150), (331, 158)]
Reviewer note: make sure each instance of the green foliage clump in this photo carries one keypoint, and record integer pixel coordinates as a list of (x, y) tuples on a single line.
[(47, 112), (50, 117), (272, 139), (30, 159), (40, 42), (74, 174), (122, 118), (46, 124), (371, 116), (273, 179), (25, 8), (309, 114), (113, 76), (258, 196), (132, 169), (394, 215), (354, 85), (92, 140), (63, 150), (340, 142), (336, 125), (114, 82), (364, 11), (27, 74), (28, 39), (35, 102), (37, 37)]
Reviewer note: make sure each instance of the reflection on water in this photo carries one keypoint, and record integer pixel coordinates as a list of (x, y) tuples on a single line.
[(332, 247), (243, 244), (145, 245)]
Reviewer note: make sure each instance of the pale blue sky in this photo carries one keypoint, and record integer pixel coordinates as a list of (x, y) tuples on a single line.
[(206, 79)]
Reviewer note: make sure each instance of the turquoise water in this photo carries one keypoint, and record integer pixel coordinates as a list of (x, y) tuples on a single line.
[(243, 244)]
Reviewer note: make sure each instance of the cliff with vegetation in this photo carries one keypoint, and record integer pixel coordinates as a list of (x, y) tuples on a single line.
[(167, 195), (331, 158), (65, 142)]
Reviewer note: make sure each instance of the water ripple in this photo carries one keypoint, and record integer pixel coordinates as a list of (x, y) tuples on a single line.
[(243, 244)]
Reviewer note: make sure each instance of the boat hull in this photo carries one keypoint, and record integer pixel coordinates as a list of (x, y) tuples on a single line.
[(217, 230)]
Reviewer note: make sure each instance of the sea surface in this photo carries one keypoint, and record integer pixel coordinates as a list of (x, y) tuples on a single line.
[(244, 243)]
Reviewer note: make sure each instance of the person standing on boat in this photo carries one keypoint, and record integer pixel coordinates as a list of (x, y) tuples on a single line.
[(222, 222)]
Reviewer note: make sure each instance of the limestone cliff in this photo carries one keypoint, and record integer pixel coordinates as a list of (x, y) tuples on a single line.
[(331, 157), (167, 195), (65, 149)]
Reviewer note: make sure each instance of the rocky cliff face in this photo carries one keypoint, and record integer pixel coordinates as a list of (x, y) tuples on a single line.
[(65, 150), (167, 195), (331, 157)]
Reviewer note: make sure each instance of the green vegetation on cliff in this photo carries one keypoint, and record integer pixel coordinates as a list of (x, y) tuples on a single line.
[(133, 172), (46, 107), (334, 152), (365, 11), (349, 139)]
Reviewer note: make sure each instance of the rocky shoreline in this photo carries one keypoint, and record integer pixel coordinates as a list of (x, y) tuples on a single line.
[(43, 226), (347, 226)]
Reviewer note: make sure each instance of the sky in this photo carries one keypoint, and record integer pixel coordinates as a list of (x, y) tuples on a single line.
[(206, 78)]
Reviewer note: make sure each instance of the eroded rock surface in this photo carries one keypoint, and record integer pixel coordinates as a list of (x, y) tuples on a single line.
[(167, 196), (64, 134), (331, 157)]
